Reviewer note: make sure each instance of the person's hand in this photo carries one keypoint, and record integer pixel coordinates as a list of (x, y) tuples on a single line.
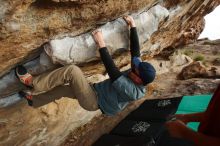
[(130, 21), (182, 117), (176, 128), (98, 37)]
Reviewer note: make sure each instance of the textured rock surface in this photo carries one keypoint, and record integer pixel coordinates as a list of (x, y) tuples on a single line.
[(194, 70), (47, 125), (9, 84), (81, 49), (26, 25), (205, 53), (197, 70)]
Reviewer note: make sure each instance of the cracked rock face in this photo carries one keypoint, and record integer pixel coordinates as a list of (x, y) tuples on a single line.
[(26, 25), (65, 25), (82, 48)]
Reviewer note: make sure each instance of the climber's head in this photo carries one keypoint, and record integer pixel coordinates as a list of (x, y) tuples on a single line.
[(142, 72)]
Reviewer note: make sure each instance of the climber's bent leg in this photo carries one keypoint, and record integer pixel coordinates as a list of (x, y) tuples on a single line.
[(52, 95), (48, 80), (83, 91), (53, 84)]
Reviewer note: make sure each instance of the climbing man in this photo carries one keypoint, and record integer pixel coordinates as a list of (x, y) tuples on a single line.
[(110, 96)]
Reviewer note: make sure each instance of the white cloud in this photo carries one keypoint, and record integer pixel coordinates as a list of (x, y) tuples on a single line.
[(212, 26)]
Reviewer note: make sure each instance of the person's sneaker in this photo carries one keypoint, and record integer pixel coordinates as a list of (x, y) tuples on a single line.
[(28, 96), (23, 75)]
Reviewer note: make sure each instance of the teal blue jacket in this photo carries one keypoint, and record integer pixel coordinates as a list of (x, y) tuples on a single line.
[(114, 96)]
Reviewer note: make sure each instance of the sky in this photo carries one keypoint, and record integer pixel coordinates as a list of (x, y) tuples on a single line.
[(212, 26)]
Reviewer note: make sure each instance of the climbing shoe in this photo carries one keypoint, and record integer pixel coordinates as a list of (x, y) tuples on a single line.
[(23, 75), (27, 95)]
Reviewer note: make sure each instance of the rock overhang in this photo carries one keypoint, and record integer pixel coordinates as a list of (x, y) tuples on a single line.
[(22, 32)]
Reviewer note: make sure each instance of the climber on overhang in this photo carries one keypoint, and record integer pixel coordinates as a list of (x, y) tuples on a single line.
[(110, 96)]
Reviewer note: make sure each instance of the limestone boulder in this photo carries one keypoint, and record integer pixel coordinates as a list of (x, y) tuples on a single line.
[(82, 48), (27, 25), (194, 70)]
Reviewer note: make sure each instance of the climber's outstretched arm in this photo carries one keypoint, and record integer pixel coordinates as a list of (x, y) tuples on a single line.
[(109, 64), (134, 43), (134, 40)]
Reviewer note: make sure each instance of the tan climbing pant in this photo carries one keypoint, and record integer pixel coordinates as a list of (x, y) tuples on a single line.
[(67, 81)]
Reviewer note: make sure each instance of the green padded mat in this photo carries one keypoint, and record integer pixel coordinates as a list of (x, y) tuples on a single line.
[(193, 104)]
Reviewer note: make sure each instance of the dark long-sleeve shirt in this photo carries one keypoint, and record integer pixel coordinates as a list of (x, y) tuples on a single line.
[(134, 43), (109, 64)]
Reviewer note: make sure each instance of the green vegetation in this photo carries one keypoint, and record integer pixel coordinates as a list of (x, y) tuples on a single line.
[(188, 52), (199, 57), (193, 54)]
